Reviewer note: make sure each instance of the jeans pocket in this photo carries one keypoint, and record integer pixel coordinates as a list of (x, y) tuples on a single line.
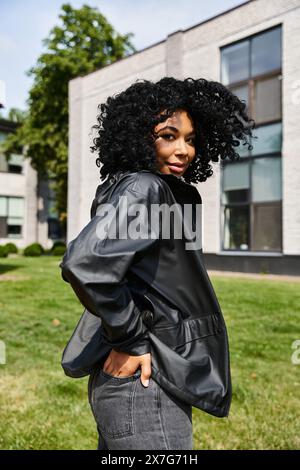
[(120, 379), (112, 403)]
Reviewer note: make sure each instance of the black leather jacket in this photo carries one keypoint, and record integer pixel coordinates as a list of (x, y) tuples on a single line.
[(153, 295)]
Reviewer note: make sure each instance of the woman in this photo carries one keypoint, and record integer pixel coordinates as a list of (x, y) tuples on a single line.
[(164, 345)]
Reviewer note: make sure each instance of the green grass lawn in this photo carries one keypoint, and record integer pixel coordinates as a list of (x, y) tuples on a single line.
[(41, 408)]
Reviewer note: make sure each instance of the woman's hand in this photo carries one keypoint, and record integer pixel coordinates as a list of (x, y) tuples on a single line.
[(121, 364)]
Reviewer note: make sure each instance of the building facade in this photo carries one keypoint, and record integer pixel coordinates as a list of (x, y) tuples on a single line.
[(26, 203), (251, 211)]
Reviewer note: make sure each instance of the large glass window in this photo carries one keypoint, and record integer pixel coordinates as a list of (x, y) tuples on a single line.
[(242, 93), (236, 228), (268, 139), (15, 162), (11, 216), (266, 52), (13, 165), (235, 62), (54, 224), (236, 183), (266, 179), (251, 195), (266, 218), (267, 99)]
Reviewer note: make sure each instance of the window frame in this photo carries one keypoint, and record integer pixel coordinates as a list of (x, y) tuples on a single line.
[(250, 82)]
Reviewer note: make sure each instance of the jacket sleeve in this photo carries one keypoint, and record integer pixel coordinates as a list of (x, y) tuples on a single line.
[(95, 264)]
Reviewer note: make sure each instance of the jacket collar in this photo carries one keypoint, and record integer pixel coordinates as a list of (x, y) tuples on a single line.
[(183, 192)]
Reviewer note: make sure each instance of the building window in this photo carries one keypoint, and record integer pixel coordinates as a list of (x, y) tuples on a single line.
[(251, 192), (11, 216), (15, 161), (13, 165), (54, 225)]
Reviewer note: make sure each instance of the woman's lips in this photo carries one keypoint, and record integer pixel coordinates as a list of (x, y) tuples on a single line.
[(176, 168)]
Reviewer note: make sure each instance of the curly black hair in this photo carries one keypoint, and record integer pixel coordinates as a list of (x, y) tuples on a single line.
[(126, 125)]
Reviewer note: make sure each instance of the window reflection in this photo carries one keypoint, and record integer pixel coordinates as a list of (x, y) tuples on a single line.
[(267, 99), (266, 52), (235, 62), (236, 228), (266, 217), (236, 176), (266, 179), (268, 139)]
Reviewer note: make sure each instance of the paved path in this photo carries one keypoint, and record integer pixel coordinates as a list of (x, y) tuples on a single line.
[(267, 277)]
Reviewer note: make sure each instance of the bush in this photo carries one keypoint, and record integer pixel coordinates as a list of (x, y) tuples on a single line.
[(58, 243), (58, 250), (11, 248), (3, 251), (35, 249)]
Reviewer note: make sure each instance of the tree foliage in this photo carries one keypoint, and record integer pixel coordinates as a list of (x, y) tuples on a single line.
[(83, 43)]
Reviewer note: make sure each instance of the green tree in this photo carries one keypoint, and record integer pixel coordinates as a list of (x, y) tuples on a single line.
[(84, 42)]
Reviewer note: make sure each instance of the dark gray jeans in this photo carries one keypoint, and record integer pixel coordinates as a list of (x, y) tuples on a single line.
[(131, 416)]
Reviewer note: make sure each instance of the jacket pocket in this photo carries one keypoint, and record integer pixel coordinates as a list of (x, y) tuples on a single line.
[(189, 330)]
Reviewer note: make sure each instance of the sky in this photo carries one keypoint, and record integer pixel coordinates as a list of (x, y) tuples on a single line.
[(24, 23)]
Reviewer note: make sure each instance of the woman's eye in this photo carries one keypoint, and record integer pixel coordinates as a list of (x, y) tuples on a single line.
[(167, 135)]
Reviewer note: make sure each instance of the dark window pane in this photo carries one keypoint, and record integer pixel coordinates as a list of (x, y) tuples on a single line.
[(266, 52), (3, 227), (268, 139), (236, 228), (267, 99), (235, 196), (235, 62), (14, 169), (267, 227), (14, 231), (54, 229), (266, 179)]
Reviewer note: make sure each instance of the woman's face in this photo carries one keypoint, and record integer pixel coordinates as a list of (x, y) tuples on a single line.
[(175, 143)]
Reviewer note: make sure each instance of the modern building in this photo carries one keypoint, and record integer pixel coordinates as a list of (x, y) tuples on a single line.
[(251, 209), (26, 203)]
